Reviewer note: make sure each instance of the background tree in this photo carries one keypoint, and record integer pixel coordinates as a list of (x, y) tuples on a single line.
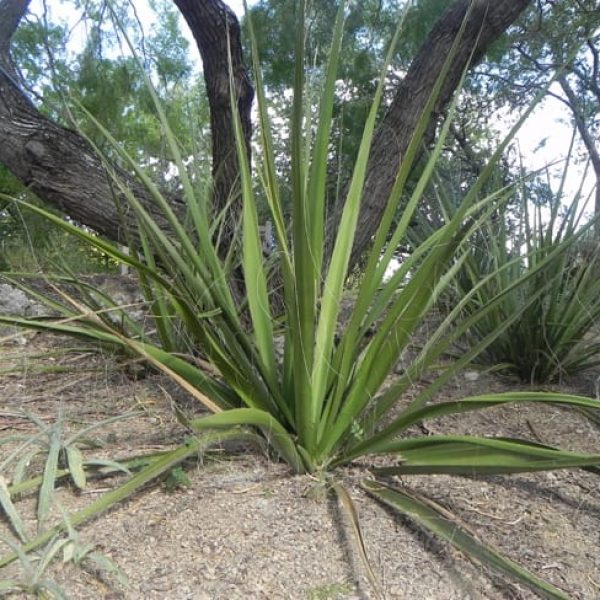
[(552, 36), (55, 162), (107, 82)]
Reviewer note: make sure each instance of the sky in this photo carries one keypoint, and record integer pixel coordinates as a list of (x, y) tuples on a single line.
[(238, 6), (544, 139)]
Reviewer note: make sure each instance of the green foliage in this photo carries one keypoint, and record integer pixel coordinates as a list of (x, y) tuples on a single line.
[(61, 456), (328, 591), (166, 48), (59, 450), (113, 90), (543, 278), (368, 29), (176, 480), (34, 580), (40, 50)]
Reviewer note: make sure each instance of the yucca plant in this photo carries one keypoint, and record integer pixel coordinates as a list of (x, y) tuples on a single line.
[(34, 582), (61, 452), (34, 579), (321, 403), (558, 308)]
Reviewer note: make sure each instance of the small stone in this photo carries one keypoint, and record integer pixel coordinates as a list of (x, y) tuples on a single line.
[(471, 375)]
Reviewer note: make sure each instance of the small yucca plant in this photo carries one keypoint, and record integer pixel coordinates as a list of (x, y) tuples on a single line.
[(555, 307), (61, 453), (320, 404), (35, 581)]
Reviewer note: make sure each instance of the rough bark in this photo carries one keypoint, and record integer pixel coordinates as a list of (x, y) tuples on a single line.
[(212, 24), (57, 163), (12, 13), (488, 19), (62, 168)]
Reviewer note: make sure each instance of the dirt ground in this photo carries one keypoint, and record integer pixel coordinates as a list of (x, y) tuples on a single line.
[(247, 528)]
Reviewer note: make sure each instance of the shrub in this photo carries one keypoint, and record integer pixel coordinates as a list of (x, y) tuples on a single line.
[(555, 305)]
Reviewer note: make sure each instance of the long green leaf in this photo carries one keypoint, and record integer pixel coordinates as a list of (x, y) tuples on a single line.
[(350, 509), (269, 172), (11, 512), (302, 313), (315, 205), (255, 276), (316, 190), (340, 258), (434, 518), (94, 466), (75, 463), (275, 433), (341, 416), (417, 414), (46, 494), (469, 455), (199, 216)]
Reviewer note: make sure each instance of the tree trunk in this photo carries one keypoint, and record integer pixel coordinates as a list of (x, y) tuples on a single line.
[(62, 168), (212, 23), (56, 163), (487, 21)]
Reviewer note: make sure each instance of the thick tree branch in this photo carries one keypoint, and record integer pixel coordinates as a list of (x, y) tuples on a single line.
[(12, 13), (62, 168), (56, 163), (213, 24), (487, 21)]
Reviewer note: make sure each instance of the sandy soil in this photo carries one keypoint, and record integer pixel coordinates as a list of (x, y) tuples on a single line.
[(247, 528)]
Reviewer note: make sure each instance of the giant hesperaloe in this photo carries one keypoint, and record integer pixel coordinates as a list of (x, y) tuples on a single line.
[(319, 403)]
